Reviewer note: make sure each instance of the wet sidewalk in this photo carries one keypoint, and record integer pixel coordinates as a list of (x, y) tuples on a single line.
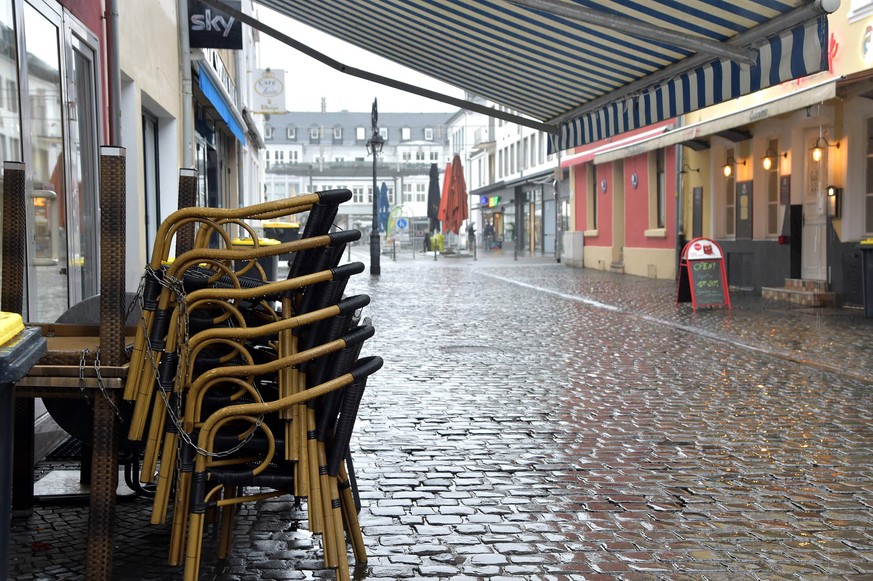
[(534, 421)]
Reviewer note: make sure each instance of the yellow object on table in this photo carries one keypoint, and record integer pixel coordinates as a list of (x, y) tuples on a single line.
[(11, 324)]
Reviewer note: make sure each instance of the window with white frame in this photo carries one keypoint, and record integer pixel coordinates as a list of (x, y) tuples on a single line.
[(291, 133), (314, 133), (419, 155), (406, 156), (268, 132), (358, 195), (593, 188), (420, 194), (360, 133), (434, 156), (428, 133), (383, 132), (859, 9), (337, 132), (405, 134), (660, 202), (407, 193)]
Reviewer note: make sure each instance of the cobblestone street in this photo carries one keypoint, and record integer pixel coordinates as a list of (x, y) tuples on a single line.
[(534, 421)]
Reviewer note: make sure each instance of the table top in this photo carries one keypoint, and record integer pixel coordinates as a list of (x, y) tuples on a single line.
[(21, 353)]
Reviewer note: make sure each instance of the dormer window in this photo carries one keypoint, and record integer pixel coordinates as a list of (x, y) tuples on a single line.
[(428, 133), (405, 134), (291, 133), (268, 132)]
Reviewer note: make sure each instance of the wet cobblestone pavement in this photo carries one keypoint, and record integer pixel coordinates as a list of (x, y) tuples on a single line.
[(534, 422)]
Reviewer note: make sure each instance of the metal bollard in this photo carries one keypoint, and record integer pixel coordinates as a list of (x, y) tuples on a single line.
[(394, 250), (515, 254)]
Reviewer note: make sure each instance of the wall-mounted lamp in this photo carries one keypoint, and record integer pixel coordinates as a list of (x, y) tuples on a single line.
[(688, 169), (728, 168), (834, 199), (769, 160), (819, 146)]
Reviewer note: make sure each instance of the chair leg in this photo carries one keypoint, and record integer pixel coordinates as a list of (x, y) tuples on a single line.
[(194, 547), (314, 502), (350, 517), (165, 480), (228, 513), (180, 518), (339, 536)]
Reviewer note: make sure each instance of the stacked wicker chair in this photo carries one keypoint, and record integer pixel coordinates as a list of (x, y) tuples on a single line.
[(237, 381)]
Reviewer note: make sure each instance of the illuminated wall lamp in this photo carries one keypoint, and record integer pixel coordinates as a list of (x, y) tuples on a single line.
[(835, 195), (819, 146), (728, 168), (770, 158)]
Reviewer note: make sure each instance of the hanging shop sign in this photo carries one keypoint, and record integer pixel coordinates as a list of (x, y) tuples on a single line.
[(702, 275), (211, 28), (268, 97)]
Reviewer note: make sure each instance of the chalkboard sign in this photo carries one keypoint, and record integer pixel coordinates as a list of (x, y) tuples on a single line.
[(706, 282), (702, 275)]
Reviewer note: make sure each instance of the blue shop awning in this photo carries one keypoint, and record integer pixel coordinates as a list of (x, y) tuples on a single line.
[(221, 105), (584, 70)]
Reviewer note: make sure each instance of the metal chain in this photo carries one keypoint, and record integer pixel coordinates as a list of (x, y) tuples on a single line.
[(174, 413), (102, 385)]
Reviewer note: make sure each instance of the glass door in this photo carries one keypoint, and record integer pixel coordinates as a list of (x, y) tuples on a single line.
[(59, 60), (48, 293), (84, 228)]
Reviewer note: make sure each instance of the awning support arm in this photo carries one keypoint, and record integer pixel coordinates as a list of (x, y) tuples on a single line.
[(801, 14), (640, 29), (388, 82)]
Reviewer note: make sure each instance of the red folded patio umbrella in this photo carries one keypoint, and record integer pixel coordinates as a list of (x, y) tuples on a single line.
[(456, 204), (444, 199)]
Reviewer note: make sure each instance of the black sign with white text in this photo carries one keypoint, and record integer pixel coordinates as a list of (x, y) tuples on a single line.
[(211, 28)]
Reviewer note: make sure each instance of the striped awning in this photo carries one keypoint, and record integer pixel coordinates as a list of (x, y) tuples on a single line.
[(587, 69)]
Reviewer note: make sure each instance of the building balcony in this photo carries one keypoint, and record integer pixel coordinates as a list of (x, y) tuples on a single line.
[(350, 169)]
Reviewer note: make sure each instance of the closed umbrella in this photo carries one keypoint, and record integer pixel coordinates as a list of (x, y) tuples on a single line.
[(456, 206), (433, 198), (444, 199), (382, 208)]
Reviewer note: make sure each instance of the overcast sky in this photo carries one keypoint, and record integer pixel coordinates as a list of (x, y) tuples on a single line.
[(307, 80)]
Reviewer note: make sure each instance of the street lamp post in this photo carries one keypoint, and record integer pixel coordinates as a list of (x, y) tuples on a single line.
[(374, 146)]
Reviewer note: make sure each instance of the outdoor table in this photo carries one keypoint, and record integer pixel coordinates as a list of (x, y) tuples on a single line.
[(52, 377), (17, 357)]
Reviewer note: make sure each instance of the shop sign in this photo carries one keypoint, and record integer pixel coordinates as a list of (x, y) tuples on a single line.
[(268, 97), (702, 275), (211, 28), (489, 201)]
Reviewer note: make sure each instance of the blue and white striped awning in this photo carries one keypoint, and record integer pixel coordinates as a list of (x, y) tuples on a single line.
[(585, 80)]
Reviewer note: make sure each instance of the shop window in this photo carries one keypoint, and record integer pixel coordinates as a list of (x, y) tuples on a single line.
[(773, 192), (868, 196), (730, 201)]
